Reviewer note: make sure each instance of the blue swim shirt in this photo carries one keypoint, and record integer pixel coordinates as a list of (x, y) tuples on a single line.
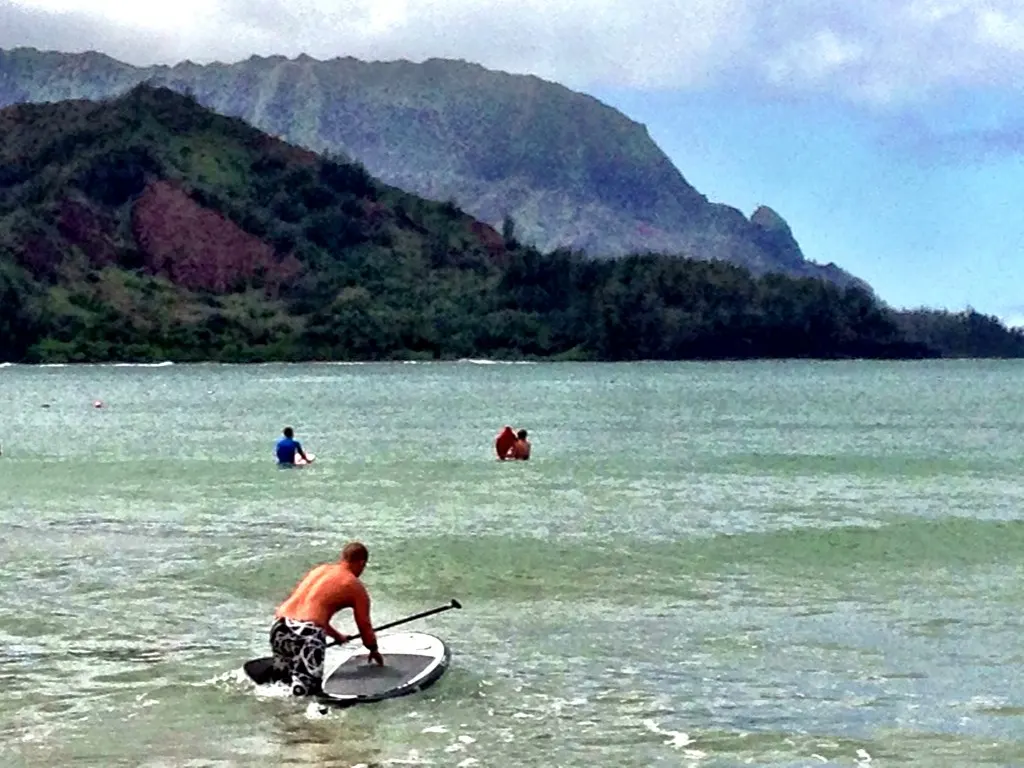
[(287, 447)]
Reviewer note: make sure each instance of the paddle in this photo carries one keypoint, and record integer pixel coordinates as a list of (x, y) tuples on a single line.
[(261, 671)]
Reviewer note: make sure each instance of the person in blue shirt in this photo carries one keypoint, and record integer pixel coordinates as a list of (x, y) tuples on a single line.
[(287, 447)]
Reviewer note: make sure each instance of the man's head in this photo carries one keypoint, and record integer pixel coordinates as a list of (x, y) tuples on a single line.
[(522, 434), (355, 556), (289, 432)]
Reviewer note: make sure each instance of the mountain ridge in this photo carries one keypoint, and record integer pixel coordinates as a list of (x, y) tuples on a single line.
[(568, 170)]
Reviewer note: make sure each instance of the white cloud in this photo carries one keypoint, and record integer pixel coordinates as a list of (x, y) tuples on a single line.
[(1001, 30), (875, 51), (180, 14), (813, 60)]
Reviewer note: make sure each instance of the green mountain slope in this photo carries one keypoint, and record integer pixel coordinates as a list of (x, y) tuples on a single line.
[(149, 227), (568, 170)]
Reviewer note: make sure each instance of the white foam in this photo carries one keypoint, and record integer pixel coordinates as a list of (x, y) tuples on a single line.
[(413, 759), (271, 690), (316, 711), (435, 729), (676, 740), (231, 676), (37, 733)]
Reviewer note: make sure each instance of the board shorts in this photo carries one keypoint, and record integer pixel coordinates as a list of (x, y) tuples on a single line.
[(298, 648)]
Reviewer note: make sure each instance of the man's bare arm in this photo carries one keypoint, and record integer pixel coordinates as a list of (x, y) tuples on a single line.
[(361, 609), (339, 637)]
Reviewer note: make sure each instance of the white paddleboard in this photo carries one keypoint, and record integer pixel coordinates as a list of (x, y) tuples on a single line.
[(413, 661), (300, 462)]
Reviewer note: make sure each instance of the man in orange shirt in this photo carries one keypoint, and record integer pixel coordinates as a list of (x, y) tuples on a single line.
[(298, 636)]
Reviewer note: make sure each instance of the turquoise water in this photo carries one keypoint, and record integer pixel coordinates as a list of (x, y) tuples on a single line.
[(777, 564)]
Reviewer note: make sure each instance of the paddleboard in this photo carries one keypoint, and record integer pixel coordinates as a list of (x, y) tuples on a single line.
[(504, 441), (300, 462), (413, 661)]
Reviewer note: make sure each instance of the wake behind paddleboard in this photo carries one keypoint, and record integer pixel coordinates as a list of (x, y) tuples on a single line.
[(413, 661)]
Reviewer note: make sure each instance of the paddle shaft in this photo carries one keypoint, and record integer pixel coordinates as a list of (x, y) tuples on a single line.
[(414, 617)]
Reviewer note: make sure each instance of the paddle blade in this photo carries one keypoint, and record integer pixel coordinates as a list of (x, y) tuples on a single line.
[(262, 672)]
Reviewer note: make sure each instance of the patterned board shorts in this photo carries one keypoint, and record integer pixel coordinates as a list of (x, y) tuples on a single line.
[(298, 648)]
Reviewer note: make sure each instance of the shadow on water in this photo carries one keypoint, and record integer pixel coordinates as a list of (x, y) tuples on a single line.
[(429, 570), (911, 542), (390, 732), (336, 740)]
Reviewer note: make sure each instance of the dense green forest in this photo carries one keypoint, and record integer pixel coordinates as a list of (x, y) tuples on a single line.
[(148, 228)]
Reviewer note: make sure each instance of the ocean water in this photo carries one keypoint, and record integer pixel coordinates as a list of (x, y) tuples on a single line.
[(724, 564)]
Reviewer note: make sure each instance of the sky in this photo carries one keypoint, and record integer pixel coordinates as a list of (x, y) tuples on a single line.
[(888, 133)]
